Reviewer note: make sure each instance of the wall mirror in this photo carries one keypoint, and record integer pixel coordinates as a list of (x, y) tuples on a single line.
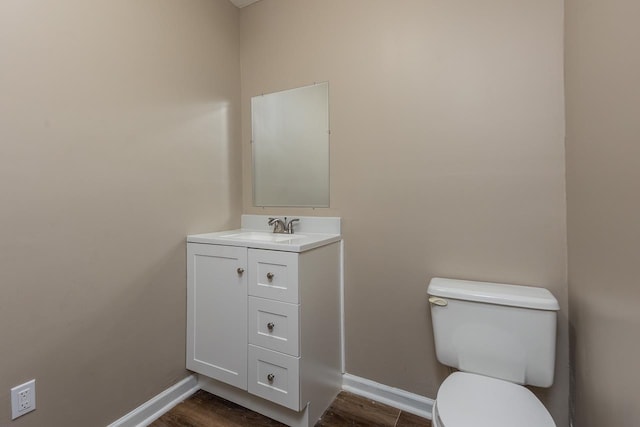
[(290, 142)]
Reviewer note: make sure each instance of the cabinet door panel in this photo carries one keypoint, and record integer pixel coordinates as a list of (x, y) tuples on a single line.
[(217, 307)]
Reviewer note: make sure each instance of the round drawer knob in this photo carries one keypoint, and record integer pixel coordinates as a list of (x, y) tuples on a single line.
[(270, 326), (240, 270), (270, 276), (271, 377)]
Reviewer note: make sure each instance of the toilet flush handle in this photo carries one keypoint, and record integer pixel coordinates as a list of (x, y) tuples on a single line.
[(438, 301)]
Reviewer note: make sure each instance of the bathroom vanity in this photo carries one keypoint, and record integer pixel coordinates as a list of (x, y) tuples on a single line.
[(264, 317)]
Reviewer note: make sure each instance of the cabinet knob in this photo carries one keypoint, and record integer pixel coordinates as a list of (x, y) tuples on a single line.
[(270, 276), (270, 326), (240, 270), (271, 377)]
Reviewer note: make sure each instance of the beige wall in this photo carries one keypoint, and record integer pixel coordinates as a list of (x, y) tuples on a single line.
[(119, 131), (603, 172), (447, 156)]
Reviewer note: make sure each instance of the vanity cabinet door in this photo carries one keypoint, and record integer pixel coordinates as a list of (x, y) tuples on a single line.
[(217, 312)]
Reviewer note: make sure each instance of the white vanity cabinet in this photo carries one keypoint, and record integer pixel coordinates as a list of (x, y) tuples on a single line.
[(267, 323)]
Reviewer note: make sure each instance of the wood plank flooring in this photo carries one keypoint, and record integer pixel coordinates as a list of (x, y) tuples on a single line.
[(347, 410)]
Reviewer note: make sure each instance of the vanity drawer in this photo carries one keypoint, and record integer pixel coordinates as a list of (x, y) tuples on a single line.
[(273, 275), (274, 376), (274, 325)]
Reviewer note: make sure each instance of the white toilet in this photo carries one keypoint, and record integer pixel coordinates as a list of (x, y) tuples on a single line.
[(499, 337)]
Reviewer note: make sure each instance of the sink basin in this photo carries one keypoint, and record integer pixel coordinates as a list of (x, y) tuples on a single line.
[(258, 236)]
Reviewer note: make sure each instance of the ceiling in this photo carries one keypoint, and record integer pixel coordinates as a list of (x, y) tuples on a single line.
[(243, 3)]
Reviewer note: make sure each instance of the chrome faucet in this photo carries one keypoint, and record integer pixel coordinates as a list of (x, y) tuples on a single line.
[(278, 224), (282, 226), (290, 224)]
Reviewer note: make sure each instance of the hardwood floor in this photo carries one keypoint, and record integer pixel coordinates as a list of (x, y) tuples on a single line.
[(206, 410)]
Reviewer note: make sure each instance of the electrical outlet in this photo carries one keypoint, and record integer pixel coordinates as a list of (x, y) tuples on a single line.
[(23, 399)]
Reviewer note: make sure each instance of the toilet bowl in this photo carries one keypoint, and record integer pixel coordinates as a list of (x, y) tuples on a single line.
[(500, 337), (470, 400)]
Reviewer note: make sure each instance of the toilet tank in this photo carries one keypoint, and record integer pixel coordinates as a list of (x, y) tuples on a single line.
[(502, 331)]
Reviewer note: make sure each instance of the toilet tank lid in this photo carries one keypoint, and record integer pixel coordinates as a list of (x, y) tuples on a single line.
[(494, 293)]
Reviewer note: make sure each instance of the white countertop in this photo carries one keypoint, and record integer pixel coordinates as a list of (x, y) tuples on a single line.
[(258, 239), (255, 232)]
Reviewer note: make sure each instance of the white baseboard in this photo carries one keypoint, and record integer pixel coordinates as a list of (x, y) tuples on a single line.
[(403, 400), (154, 408)]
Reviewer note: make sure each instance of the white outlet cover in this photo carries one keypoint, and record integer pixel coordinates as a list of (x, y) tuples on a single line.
[(18, 406)]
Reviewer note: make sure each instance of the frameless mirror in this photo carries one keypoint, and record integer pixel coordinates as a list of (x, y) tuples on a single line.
[(290, 139)]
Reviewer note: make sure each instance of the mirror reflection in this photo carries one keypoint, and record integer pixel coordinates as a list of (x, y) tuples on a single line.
[(290, 141)]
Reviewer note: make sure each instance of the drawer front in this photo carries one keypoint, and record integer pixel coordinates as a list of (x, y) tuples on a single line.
[(274, 325), (274, 376), (273, 275)]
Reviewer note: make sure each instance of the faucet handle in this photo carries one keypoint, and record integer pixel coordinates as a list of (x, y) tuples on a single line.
[(278, 225), (290, 225)]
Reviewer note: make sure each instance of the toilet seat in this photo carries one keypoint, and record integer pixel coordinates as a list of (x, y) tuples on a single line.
[(471, 400)]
